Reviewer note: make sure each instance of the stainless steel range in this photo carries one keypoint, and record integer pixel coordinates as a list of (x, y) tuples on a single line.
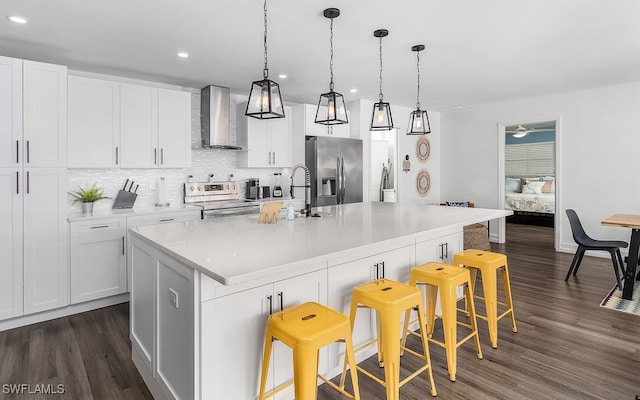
[(218, 199)]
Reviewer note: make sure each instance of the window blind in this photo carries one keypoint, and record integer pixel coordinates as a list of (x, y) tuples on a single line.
[(534, 159)]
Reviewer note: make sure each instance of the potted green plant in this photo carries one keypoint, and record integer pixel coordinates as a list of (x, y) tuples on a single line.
[(87, 197)]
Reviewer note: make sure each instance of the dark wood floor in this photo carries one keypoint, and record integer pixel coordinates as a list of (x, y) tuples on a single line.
[(567, 347)]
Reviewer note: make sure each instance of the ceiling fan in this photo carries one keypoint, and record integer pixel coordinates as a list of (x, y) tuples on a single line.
[(521, 131)]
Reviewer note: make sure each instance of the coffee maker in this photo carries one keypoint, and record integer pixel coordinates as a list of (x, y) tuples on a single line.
[(253, 189)]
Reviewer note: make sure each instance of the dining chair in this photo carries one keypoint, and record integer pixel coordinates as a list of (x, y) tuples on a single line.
[(585, 243)]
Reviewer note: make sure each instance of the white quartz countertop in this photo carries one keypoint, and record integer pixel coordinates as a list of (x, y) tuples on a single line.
[(130, 212), (238, 249)]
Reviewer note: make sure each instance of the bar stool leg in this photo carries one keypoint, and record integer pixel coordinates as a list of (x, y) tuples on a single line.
[(489, 286), (305, 372), (449, 322), (472, 319), (431, 297), (350, 355), (390, 336), (265, 363), (506, 284), (352, 321), (380, 341), (425, 345)]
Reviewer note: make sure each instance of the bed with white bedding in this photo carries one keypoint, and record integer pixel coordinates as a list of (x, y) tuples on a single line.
[(532, 199), (531, 202)]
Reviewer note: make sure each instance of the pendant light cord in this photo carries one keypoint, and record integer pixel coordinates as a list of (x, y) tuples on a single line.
[(265, 71), (380, 69), (330, 55), (418, 94)]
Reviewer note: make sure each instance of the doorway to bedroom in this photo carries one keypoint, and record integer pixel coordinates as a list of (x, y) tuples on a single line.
[(530, 177)]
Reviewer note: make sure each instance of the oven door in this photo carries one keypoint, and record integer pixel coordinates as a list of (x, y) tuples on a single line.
[(230, 212)]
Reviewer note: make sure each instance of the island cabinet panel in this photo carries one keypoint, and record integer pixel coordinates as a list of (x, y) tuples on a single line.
[(393, 264), (233, 329), (440, 249), (143, 304)]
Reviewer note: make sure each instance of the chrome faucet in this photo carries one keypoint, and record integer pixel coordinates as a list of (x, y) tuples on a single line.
[(307, 186)]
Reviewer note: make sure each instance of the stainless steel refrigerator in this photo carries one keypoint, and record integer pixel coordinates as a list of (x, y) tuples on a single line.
[(335, 165)]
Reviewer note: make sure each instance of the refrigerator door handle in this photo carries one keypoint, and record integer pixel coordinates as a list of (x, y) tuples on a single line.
[(344, 180), (339, 181)]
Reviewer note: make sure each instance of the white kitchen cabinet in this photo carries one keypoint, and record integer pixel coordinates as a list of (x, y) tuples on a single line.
[(304, 116), (265, 143), (11, 239), (45, 114), (243, 315), (97, 259), (45, 239), (439, 249), (155, 127), (10, 111), (94, 123)]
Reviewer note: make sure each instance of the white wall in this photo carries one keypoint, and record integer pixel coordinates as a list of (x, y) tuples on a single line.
[(598, 138)]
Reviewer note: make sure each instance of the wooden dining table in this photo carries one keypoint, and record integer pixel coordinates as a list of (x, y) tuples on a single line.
[(633, 222)]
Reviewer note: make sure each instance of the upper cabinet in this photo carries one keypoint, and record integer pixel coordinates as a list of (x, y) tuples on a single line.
[(304, 116), (114, 124), (33, 114), (265, 143)]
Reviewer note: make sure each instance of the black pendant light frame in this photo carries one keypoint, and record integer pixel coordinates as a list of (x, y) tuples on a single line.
[(418, 119), (333, 101), (265, 101), (381, 119)]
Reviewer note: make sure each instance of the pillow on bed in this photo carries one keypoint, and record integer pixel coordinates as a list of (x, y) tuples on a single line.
[(547, 186), (458, 203), (512, 185), (533, 187)]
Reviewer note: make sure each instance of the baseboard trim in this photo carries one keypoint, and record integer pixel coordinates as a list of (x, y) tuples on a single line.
[(62, 312)]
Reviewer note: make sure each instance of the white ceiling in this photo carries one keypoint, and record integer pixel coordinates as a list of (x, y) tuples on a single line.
[(477, 51)]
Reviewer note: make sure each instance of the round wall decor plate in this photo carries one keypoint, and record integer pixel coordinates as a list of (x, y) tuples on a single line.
[(423, 182), (423, 149)]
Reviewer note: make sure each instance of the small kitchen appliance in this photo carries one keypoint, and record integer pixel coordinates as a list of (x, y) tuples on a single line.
[(126, 197), (277, 186), (219, 199), (253, 191)]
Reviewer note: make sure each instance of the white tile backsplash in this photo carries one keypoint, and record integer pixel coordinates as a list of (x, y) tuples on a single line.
[(221, 163)]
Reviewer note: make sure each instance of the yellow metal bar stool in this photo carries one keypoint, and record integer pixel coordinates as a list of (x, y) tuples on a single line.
[(307, 328), (489, 263), (390, 299), (445, 279)]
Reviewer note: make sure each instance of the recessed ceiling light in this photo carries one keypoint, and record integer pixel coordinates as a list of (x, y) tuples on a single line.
[(353, 91), (17, 19), (282, 76), (183, 54)]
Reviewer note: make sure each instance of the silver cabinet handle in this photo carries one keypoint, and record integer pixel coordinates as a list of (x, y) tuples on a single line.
[(28, 155), (17, 152), (117, 154), (17, 182), (123, 245), (27, 182), (162, 155), (446, 250), (166, 220), (155, 156), (274, 158), (99, 226)]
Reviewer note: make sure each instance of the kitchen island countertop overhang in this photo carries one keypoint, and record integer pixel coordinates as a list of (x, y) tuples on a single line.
[(238, 250)]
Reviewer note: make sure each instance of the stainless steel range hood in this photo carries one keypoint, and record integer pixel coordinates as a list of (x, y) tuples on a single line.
[(214, 118)]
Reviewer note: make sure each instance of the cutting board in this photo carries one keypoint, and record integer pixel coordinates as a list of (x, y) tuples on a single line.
[(270, 212)]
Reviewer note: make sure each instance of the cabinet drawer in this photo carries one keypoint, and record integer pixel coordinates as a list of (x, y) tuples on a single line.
[(97, 227), (163, 218)]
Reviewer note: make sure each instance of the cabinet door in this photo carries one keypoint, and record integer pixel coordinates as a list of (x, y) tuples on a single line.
[(143, 303), (341, 281), (139, 126), (94, 123), (45, 114), (429, 251), (45, 240), (291, 292), (342, 130), (452, 244), (10, 111), (241, 316), (310, 127), (174, 128), (98, 267), (258, 150), (11, 243), (398, 263), (280, 131)]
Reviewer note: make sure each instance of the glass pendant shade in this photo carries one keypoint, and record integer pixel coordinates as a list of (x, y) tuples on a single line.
[(331, 109), (265, 101), (418, 123), (381, 119)]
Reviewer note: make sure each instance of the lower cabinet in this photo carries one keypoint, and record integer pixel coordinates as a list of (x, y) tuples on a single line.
[(98, 263), (440, 249), (234, 327)]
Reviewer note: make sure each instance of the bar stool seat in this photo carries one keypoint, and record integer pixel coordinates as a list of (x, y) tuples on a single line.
[(489, 263), (390, 299), (306, 328), (445, 279)]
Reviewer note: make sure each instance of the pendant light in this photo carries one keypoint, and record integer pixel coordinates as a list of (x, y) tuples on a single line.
[(381, 117), (265, 101), (331, 108), (418, 120)]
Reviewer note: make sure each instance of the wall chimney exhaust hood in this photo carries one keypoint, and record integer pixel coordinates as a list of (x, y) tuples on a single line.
[(214, 118)]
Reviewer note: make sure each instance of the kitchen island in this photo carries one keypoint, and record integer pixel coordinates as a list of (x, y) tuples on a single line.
[(201, 290)]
